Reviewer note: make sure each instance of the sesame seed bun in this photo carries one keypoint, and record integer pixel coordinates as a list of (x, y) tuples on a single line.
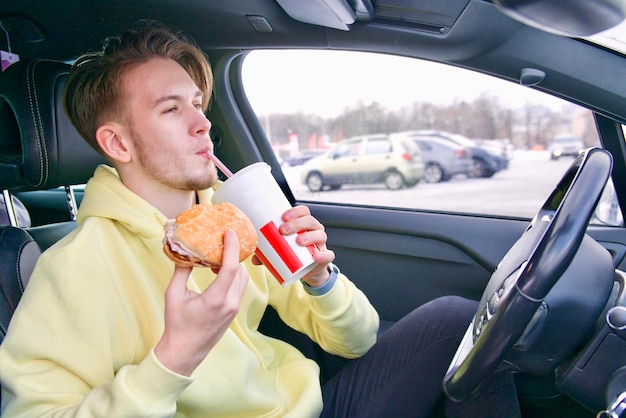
[(196, 237)]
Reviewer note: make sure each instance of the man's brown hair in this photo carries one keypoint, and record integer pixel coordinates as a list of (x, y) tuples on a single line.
[(93, 90)]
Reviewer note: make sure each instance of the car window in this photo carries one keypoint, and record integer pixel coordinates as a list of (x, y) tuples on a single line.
[(504, 161), (377, 146), (347, 149), (423, 145)]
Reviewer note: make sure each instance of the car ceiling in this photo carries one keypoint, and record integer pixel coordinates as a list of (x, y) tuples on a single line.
[(468, 33)]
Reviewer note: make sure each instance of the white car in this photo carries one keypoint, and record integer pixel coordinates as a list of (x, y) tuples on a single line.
[(567, 145)]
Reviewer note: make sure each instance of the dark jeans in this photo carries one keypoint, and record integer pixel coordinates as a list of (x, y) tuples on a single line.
[(401, 375)]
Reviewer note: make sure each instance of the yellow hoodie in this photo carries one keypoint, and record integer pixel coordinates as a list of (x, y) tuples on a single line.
[(81, 341)]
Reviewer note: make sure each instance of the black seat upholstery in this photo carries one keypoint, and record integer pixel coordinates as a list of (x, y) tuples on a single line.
[(39, 149)]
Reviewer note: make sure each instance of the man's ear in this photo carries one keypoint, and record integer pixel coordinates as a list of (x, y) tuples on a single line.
[(111, 139)]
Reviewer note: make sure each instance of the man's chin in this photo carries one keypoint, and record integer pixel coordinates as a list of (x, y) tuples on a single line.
[(203, 183)]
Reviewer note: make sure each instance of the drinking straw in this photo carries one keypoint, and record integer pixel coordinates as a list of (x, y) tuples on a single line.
[(220, 164)]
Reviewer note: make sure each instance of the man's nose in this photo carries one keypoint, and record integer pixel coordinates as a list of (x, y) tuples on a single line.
[(202, 124)]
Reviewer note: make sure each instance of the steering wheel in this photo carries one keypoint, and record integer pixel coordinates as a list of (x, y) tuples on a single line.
[(527, 273)]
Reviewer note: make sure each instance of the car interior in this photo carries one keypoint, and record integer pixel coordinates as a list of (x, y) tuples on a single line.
[(550, 286)]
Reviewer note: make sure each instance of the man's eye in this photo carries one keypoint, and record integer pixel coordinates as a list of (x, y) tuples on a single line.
[(170, 109), (199, 106)]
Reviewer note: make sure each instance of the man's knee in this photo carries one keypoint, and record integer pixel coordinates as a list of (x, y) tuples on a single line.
[(448, 309), (442, 320)]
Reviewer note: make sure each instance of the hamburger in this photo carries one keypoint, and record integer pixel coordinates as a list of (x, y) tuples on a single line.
[(195, 238)]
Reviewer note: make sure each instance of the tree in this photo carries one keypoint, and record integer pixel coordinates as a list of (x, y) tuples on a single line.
[(483, 118)]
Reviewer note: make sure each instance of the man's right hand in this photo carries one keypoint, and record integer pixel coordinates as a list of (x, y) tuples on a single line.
[(194, 322)]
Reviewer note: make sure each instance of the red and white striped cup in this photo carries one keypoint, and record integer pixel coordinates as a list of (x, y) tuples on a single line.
[(254, 190)]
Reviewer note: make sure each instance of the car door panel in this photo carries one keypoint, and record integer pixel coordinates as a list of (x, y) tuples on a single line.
[(402, 259)]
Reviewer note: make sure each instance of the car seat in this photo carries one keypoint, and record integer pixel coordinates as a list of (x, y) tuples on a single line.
[(39, 149)]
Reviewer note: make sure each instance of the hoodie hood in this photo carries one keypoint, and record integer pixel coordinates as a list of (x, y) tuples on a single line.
[(107, 197)]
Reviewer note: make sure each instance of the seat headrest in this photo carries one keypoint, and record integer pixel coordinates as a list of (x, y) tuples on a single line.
[(39, 146)]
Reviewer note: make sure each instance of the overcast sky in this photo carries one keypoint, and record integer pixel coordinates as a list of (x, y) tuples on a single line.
[(310, 80)]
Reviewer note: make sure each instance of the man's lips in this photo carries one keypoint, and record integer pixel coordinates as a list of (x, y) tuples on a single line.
[(204, 153)]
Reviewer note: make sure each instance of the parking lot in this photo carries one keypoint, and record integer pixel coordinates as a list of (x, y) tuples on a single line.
[(519, 190)]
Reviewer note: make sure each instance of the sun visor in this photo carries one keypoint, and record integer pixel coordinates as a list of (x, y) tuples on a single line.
[(576, 18)]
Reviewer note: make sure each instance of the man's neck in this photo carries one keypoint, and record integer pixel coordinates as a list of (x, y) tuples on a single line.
[(169, 201)]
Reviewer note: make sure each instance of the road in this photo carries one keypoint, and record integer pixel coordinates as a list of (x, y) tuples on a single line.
[(520, 190)]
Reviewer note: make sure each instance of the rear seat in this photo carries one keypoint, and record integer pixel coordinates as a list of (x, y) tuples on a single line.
[(39, 150)]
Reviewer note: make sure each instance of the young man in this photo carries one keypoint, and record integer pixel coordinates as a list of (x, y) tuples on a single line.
[(121, 331)]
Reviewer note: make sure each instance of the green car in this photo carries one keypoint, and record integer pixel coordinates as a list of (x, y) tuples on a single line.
[(393, 160)]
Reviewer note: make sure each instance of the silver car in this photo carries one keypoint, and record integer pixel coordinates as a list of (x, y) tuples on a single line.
[(443, 159)]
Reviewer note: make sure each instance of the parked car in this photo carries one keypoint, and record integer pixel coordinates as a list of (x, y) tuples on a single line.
[(443, 159), (565, 146), (484, 162), (498, 147), (301, 157), (567, 344), (393, 160)]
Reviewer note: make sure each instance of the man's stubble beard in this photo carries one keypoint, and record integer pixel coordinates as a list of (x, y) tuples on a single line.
[(168, 172)]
